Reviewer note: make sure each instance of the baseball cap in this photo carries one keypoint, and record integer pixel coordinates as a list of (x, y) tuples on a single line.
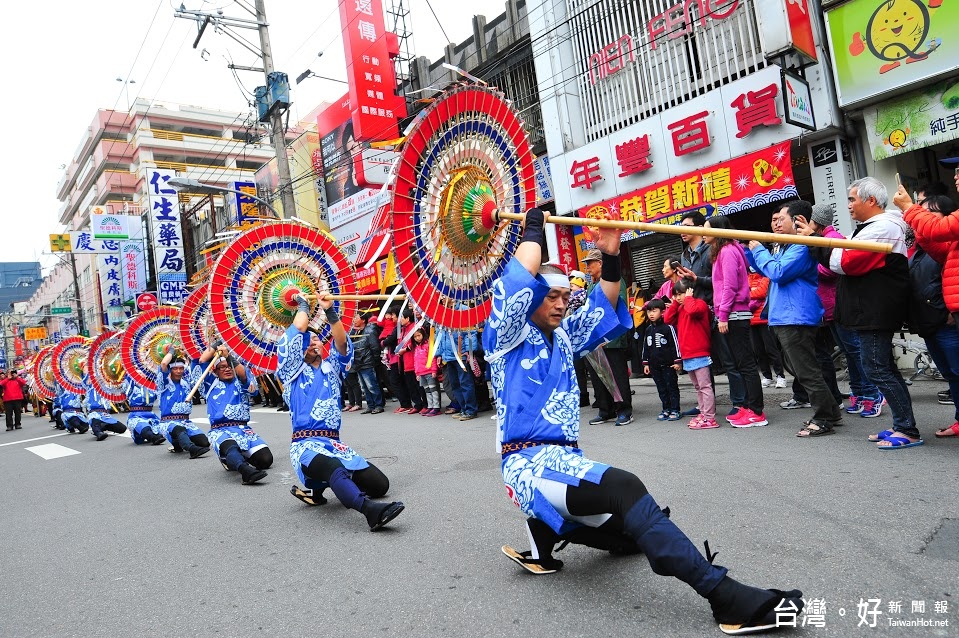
[(593, 255)]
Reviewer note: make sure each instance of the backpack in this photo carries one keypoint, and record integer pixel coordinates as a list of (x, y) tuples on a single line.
[(927, 308)]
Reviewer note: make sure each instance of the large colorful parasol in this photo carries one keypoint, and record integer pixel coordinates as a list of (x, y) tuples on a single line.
[(43, 380), (105, 365), (467, 157), (144, 341), (256, 277), (195, 321), (68, 361)]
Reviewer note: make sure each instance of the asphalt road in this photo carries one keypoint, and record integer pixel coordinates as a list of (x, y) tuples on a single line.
[(121, 540)]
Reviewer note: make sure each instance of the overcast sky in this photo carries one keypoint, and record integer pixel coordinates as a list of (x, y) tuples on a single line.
[(62, 58)]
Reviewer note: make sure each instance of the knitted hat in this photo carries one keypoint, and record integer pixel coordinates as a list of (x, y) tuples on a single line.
[(822, 215)]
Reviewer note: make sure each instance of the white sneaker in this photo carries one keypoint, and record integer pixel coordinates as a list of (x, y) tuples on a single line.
[(780, 382), (767, 382)]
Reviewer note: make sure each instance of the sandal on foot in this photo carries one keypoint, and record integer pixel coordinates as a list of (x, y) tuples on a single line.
[(881, 436), (811, 428), (952, 430), (310, 497), (778, 612), (898, 442), (532, 565)]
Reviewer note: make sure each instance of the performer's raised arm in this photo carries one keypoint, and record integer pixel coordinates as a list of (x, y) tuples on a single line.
[(336, 326)]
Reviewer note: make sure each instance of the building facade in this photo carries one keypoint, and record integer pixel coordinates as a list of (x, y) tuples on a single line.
[(110, 174), (899, 88), (651, 111)]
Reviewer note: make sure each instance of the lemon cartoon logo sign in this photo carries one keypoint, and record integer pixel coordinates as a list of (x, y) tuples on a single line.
[(877, 42)]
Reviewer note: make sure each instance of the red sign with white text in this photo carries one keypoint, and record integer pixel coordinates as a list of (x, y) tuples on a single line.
[(733, 186), (369, 70), (800, 25)]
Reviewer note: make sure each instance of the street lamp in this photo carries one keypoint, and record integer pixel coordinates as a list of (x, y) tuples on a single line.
[(194, 186), (309, 74)]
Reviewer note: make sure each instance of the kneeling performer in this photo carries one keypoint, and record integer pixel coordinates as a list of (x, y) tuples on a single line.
[(531, 346), (311, 387)]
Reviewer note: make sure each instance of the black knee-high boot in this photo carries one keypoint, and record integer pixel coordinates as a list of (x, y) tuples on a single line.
[(669, 550)]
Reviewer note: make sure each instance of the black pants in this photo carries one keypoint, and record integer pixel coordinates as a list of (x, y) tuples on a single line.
[(13, 408), (398, 386), (768, 356), (414, 390), (371, 480), (635, 337), (799, 351), (354, 395), (582, 376), (667, 384), (196, 439), (741, 349), (824, 348), (480, 388), (262, 459), (99, 426), (607, 407)]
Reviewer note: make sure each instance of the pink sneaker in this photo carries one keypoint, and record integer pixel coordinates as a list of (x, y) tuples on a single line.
[(401, 410), (695, 420), (746, 418), (704, 424)]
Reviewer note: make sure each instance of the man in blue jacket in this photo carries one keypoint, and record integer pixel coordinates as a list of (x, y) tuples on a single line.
[(795, 314)]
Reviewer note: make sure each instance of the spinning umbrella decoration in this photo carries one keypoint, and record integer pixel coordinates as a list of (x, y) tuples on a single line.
[(144, 341), (467, 157), (68, 361), (195, 322), (43, 379), (255, 279), (105, 365)]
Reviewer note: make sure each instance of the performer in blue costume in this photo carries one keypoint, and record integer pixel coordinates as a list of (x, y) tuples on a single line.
[(531, 347), (145, 426), (174, 386), (98, 413), (56, 411), (311, 387), (72, 415), (238, 447)]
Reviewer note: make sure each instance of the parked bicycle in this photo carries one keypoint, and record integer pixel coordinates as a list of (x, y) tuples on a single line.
[(922, 364)]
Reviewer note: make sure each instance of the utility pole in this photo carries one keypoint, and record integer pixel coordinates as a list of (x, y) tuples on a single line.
[(285, 183), (224, 25), (76, 289)]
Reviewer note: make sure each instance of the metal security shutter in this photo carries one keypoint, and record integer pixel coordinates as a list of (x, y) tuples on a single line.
[(649, 253)]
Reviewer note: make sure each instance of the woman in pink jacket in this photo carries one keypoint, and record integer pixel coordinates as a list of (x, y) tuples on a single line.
[(731, 305)]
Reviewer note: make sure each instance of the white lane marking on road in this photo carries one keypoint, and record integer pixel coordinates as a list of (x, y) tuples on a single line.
[(270, 410), (200, 419), (39, 438), (49, 451), (126, 434)]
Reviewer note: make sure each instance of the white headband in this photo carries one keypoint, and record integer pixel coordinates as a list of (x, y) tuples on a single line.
[(556, 280)]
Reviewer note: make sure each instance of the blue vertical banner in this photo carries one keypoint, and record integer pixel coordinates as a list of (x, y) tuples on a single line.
[(167, 237), (240, 206)]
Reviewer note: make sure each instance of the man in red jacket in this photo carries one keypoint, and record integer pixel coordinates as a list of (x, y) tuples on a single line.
[(13, 392)]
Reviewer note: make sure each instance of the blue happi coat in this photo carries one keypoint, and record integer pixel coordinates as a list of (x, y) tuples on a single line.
[(173, 399), (139, 419), (71, 405), (313, 395), (536, 390), (98, 407), (228, 406)]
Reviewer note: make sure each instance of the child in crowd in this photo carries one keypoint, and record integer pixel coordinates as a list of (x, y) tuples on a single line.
[(426, 374), (691, 317), (661, 359)]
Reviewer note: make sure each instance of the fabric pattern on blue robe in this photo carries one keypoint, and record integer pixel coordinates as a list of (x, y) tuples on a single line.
[(231, 402), (137, 421), (98, 407), (71, 405), (313, 395), (535, 386), (173, 399)]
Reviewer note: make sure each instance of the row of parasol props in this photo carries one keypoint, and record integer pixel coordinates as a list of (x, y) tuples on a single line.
[(451, 214)]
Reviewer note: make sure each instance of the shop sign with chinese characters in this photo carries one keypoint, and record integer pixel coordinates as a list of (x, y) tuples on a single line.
[(111, 283), (167, 237), (83, 243), (923, 118), (133, 264), (752, 180), (376, 108), (743, 117)]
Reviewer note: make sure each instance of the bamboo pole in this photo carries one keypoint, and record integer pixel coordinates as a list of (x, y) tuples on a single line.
[(199, 381), (742, 235)]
